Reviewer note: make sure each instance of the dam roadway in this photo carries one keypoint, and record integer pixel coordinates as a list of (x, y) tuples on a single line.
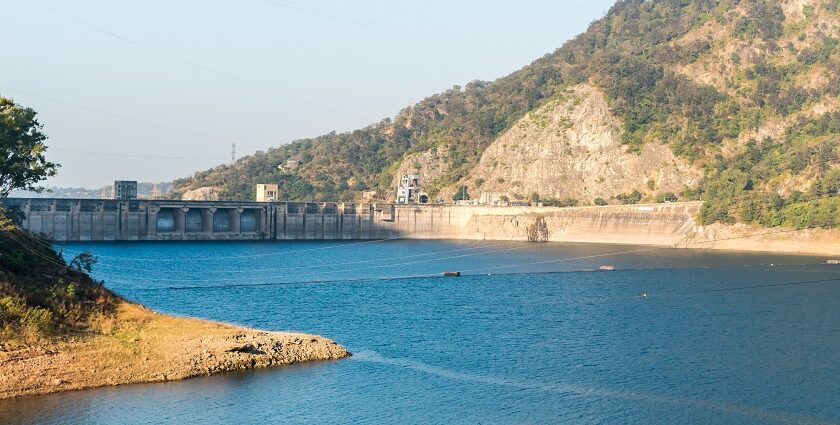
[(171, 220)]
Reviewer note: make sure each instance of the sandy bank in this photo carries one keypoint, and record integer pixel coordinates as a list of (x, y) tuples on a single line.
[(741, 237), (139, 345)]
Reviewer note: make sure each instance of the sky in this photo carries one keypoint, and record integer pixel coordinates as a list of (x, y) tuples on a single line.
[(158, 89)]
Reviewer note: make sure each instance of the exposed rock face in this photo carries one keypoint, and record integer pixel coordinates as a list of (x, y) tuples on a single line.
[(571, 147), (208, 193)]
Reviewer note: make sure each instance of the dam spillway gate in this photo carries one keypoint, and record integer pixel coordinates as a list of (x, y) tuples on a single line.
[(163, 220)]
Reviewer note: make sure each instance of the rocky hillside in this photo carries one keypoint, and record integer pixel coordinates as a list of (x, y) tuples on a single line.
[(571, 148), (732, 101)]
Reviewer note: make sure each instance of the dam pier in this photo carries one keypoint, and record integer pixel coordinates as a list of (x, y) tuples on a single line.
[(171, 220)]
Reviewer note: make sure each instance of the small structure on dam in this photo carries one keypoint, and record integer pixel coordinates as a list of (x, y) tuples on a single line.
[(124, 189), (157, 220), (408, 192), (267, 192)]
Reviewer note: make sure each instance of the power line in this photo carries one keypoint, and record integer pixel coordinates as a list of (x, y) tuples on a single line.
[(133, 155), (312, 266), (773, 285), (279, 253), (113, 115), (189, 62), (385, 28), (250, 279), (276, 269), (122, 117), (484, 269)]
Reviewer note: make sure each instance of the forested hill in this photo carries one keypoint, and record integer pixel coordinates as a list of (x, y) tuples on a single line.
[(742, 94)]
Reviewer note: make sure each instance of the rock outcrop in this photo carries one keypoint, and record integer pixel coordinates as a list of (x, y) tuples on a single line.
[(571, 148)]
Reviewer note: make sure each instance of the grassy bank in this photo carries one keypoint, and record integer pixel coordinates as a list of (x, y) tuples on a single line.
[(62, 330)]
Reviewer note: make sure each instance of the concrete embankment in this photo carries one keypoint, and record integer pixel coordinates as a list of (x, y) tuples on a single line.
[(139, 345), (670, 224), (115, 220), (653, 224)]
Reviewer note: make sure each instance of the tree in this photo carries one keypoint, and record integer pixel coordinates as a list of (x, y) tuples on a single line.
[(22, 160), (666, 197), (461, 194)]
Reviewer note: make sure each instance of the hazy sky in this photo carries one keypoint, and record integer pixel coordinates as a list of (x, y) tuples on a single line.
[(154, 90)]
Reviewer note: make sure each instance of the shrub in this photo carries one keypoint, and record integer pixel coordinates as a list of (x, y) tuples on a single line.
[(461, 194), (565, 202), (666, 197), (633, 197)]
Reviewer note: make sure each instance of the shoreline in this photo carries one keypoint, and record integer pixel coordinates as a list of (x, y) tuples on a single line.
[(738, 238), (745, 238), (139, 345)]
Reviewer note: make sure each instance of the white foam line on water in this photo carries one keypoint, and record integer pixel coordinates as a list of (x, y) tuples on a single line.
[(740, 409)]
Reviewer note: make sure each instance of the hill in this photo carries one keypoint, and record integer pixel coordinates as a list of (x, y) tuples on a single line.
[(734, 102)]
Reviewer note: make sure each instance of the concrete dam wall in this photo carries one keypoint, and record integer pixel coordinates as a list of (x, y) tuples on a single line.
[(139, 220)]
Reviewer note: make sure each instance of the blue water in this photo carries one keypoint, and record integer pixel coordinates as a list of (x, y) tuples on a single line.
[(530, 334)]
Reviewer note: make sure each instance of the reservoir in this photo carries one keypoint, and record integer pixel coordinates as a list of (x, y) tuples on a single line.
[(529, 333)]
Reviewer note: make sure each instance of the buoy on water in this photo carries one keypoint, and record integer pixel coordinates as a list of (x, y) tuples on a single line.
[(644, 294)]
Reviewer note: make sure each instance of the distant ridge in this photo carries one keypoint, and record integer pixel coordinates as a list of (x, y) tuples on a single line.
[(144, 190)]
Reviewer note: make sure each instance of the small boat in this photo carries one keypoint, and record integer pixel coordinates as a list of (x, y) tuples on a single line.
[(832, 262), (606, 268), (452, 274)]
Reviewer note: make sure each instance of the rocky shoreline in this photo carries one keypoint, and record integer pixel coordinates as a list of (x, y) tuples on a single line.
[(140, 345)]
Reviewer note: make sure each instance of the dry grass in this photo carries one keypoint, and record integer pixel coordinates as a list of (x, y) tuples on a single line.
[(139, 345)]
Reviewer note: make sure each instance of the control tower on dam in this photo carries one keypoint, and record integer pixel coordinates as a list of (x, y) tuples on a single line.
[(171, 220)]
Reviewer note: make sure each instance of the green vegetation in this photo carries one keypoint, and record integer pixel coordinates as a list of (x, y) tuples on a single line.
[(40, 294), (637, 56), (22, 149), (633, 197), (461, 194), (744, 191), (565, 202), (666, 197)]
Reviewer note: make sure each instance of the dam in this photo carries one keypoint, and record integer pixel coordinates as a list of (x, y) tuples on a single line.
[(65, 220)]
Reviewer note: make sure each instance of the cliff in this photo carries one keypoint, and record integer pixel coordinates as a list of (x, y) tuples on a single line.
[(571, 148)]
